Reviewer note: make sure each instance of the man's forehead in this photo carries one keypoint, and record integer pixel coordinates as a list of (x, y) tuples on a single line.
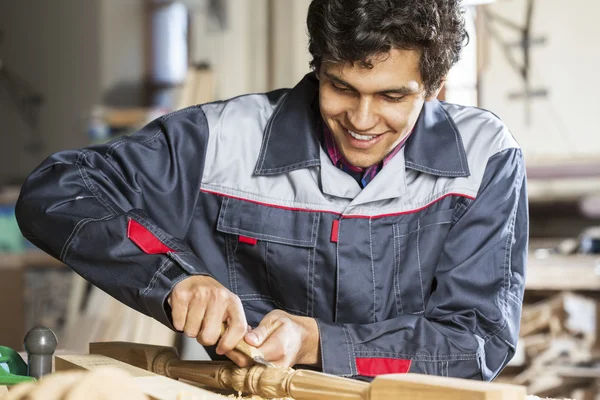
[(388, 71)]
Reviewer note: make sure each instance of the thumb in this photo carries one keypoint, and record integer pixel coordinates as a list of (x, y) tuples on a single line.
[(257, 336)]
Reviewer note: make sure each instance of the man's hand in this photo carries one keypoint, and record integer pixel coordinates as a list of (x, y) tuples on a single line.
[(287, 340), (200, 305)]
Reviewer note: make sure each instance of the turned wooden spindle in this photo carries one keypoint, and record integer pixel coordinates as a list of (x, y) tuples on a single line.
[(260, 380)]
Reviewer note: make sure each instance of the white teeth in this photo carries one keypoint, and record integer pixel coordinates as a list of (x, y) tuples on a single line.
[(361, 137)]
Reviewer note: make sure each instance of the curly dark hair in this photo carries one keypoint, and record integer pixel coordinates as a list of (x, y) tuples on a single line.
[(356, 30)]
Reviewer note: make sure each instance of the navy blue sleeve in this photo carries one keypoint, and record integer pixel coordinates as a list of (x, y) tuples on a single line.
[(117, 213)]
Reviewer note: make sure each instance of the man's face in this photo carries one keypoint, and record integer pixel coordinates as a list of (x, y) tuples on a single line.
[(370, 111)]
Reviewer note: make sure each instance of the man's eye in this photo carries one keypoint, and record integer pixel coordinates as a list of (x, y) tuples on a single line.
[(340, 88), (394, 99)]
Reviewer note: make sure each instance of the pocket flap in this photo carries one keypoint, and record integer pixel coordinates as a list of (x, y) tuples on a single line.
[(436, 218), (268, 223)]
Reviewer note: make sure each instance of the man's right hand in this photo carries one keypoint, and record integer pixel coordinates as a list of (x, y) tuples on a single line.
[(200, 305)]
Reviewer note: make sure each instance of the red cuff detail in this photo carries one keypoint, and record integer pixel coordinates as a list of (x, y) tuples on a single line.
[(248, 240), (145, 239), (381, 366)]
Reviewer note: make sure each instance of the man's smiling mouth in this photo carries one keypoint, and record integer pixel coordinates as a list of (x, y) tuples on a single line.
[(362, 137)]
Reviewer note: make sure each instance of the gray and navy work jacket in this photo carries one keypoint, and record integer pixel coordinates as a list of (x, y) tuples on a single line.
[(420, 271)]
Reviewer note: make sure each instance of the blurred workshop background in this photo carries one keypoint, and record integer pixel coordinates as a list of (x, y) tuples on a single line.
[(76, 72)]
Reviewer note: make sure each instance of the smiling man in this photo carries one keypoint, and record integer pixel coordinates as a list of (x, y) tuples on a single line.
[(371, 111), (353, 224)]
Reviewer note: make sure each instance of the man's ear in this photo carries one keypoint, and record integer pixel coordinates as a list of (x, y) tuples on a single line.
[(435, 94)]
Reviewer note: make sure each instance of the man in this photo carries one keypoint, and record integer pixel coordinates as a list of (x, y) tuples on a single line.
[(354, 223)]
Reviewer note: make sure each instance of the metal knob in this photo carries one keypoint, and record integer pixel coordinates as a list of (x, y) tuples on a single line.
[(40, 344)]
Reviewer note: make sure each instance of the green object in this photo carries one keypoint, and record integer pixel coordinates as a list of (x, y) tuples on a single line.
[(11, 238), (13, 369)]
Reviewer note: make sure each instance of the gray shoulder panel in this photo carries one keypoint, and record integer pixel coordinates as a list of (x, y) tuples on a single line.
[(482, 132), (236, 134)]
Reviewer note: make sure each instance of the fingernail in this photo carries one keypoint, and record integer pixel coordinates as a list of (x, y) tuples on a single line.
[(253, 337)]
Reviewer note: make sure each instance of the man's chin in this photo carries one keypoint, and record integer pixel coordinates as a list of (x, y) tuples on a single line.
[(362, 162), (360, 159)]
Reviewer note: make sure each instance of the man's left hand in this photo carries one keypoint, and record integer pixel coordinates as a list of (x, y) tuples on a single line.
[(287, 340)]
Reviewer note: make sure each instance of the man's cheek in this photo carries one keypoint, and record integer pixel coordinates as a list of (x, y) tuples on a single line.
[(332, 104)]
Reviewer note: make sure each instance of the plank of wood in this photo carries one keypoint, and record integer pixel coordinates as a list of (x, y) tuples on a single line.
[(139, 355), (155, 386), (429, 387), (558, 272), (3, 390)]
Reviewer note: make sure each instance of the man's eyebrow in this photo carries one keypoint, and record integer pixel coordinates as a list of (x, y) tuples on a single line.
[(403, 90)]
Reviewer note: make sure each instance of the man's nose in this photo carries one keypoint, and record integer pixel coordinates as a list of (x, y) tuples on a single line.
[(363, 116)]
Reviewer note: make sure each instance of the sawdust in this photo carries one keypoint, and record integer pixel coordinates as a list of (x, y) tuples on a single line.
[(240, 396)]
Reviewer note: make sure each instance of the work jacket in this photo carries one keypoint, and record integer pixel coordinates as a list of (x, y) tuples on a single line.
[(420, 271)]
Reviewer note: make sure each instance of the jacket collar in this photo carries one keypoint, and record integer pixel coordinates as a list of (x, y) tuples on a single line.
[(435, 146), (291, 137)]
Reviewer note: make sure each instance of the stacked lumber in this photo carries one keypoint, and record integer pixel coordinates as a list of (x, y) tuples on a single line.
[(557, 342)]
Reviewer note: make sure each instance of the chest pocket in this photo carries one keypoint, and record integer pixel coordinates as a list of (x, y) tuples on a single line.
[(417, 248), (270, 253)]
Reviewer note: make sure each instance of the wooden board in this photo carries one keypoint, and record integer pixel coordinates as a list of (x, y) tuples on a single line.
[(3, 390), (428, 387), (154, 386), (558, 272)]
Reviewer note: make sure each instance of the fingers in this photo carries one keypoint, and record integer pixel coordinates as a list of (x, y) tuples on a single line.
[(200, 305), (236, 327), (194, 317), (179, 301), (281, 346), (211, 325), (272, 337), (269, 324), (239, 358), (286, 340)]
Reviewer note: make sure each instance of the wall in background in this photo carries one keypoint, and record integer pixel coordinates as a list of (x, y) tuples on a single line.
[(54, 45), (77, 54), (123, 51), (237, 50), (290, 42), (563, 125), (245, 59)]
